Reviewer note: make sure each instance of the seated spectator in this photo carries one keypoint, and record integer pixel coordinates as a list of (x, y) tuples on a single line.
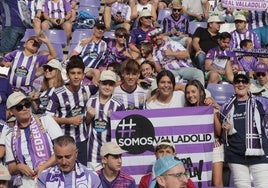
[(57, 14), (141, 6), (148, 75), (227, 13), (164, 4), (36, 7), (204, 39), (5, 177), (73, 4), (99, 108), (246, 62), (140, 33), (117, 48), (68, 172), (111, 174), (92, 50), (241, 32), (176, 25), (171, 55), (117, 14), (29, 146), (24, 63), (169, 172), (196, 10), (260, 85), (129, 92), (217, 58), (164, 148)]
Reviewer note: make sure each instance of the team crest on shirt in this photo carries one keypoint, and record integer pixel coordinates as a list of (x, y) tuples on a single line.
[(21, 71), (93, 55), (100, 125), (76, 111)]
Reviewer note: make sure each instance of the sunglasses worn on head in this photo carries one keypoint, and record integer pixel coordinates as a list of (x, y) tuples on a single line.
[(176, 10), (258, 74), (19, 107), (49, 68), (243, 81)]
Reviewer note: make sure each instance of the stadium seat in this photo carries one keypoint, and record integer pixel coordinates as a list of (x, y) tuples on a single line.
[(108, 36), (162, 13), (221, 92), (94, 11), (194, 25), (80, 34), (56, 36), (90, 3), (58, 49)]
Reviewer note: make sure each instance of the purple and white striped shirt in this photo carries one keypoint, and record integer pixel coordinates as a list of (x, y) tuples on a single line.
[(65, 104), (23, 68), (57, 9), (238, 37), (100, 127), (170, 62), (181, 25), (257, 19), (123, 8), (93, 53)]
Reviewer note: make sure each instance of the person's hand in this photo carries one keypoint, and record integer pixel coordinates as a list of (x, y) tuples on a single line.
[(199, 17), (36, 21), (173, 31), (41, 167), (127, 53), (7, 64), (35, 95), (168, 52), (227, 126), (84, 42), (91, 112), (77, 120), (118, 18), (43, 38), (199, 52), (26, 170), (53, 21)]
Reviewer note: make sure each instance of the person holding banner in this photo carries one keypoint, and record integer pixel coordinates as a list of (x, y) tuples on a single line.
[(195, 96), (165, 97), (246, 147)]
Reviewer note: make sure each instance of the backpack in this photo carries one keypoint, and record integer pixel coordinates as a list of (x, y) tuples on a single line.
[(84, 20)]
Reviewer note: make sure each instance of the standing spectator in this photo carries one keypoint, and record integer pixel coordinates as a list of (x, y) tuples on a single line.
[(140, 33), (24, 63), (13, 28), (217, 58), (68, 106), (68, 172), (176, 25), (196, 10), (117, 14), (99, 108), (57, 14), (241, 32), (204, 39), (171, 55), (117, 48), (129, 92), (246, 140), (169, 172), (29, 146), (111, 174)]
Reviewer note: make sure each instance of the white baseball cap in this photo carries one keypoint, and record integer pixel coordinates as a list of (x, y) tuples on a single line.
[(108, 75), (111, 148), (15, 98), (54, 63)]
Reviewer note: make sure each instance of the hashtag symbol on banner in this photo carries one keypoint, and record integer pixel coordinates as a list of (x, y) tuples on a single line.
[(125, 125)]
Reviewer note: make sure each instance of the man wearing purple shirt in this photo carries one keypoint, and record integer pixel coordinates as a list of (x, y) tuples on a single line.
[(241, 32), (24, 64), (68, 172)]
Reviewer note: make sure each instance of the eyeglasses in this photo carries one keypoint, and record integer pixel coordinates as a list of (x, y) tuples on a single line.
[(176, 10), (49, 68), (147, 17), (180, 175), (243, 81), (121, 35), (259, 74), (19, 107)]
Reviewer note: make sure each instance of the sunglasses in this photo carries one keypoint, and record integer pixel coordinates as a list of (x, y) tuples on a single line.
[(176, 10), (243, 81), (49, 68), (258, 74), (147, 17), (121, 35), (100, 28), (19, 107)]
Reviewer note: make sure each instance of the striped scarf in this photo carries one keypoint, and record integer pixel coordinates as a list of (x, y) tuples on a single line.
[(252, 123)]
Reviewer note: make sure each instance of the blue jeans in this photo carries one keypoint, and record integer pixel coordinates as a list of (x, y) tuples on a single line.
[(200, 61), (10, 38)]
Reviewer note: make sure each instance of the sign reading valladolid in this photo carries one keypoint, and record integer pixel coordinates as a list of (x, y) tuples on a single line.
[(191, 130), (246, 4)]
